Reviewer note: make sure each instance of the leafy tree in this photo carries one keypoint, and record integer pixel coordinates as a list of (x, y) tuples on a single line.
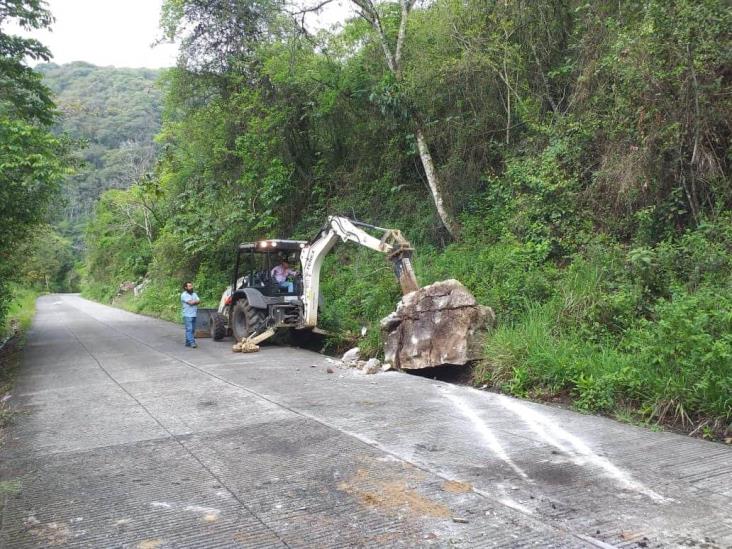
[(32, 160), (394, 62), (22, 93)]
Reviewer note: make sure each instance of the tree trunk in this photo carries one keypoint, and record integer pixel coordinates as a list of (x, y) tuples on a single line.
[(394, 62), (434, 183)]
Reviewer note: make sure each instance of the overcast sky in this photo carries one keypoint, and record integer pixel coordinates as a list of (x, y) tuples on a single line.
[(121, 32), (106, 32)]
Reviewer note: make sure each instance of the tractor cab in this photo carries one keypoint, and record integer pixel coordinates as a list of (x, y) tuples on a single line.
[(255, 262)]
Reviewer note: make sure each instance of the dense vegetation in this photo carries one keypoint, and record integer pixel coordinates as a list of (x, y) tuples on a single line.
[(109, 117), (582, 154), (33, 161), (113, 114)]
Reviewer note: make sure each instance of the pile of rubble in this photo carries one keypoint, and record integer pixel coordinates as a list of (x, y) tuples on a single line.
[(245, 346), (251, 344), (352, 359)]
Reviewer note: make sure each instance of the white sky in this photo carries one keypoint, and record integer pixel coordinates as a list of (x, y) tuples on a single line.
[(121, 32), (106, 32)]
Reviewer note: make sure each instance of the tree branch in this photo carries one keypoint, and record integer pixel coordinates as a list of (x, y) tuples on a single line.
[(372, 16), (312, 9), (406, 6)]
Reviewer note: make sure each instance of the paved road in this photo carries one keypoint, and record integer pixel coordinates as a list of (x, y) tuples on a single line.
[(128, 439)]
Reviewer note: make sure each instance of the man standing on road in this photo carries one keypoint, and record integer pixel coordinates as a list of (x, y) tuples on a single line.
[(189, 299)]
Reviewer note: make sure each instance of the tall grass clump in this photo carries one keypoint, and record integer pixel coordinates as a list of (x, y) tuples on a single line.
[(645, 327)]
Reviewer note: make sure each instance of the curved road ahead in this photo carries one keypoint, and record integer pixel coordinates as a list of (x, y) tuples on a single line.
[(126, 438)]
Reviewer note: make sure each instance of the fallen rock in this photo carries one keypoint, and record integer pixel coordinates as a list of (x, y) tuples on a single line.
[(439, 324), (125, 287), (351, 356), (386, 367), (137, 290), (372, 366)]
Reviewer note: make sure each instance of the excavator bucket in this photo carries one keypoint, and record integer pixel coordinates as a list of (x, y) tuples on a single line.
[(405, 273), (401, 256)]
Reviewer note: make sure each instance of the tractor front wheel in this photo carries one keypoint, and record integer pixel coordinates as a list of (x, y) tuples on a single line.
[(217, 326)]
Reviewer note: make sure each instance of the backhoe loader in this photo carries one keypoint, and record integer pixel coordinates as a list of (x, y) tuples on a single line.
[(255, 303)]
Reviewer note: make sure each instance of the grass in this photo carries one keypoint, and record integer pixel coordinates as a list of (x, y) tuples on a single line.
[(671, 366), (159, 299), (19, 318), (21, 311), (10, 487)]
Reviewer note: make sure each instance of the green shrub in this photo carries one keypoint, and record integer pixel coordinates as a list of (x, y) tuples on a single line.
[(652, 330), (683, 359), (160, 298), (21, 309)]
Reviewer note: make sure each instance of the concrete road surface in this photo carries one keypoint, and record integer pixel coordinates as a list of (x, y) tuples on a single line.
[(126, 438)]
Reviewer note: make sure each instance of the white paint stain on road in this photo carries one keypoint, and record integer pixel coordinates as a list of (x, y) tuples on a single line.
[(161, 505), (484, 431), (208, 514), (580, 453)]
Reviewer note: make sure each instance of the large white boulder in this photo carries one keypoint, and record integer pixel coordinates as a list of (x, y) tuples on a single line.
[(439, 324)]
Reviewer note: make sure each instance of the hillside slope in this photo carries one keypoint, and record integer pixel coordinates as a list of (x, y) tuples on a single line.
[(115, 113)]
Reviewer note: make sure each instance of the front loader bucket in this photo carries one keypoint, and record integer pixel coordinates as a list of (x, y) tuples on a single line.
[(202, 320)]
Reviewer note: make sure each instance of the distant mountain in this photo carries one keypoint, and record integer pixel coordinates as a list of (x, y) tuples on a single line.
[(116, 114)]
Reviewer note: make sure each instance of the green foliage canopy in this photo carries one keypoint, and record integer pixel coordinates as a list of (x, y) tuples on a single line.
[(32, 160)]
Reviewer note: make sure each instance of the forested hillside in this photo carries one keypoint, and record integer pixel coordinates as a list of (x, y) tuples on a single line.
[(113, 114), (108, 118), (568, 161)]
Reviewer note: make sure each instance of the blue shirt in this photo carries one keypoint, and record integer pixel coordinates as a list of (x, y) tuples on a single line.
[(189, 310)]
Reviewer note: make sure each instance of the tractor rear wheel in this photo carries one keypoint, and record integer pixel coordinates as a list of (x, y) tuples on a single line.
[(217, 326), (246, 320)]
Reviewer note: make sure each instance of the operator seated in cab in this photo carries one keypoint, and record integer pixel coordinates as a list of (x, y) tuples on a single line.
[(284, 276)]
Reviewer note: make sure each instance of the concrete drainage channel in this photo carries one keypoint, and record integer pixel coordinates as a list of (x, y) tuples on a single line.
[(457, 374)]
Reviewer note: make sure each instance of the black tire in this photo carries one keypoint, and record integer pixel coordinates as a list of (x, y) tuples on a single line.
[(217, 326), (246, 320)]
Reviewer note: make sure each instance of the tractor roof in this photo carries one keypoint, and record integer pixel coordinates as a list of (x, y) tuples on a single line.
[(274, 245)]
